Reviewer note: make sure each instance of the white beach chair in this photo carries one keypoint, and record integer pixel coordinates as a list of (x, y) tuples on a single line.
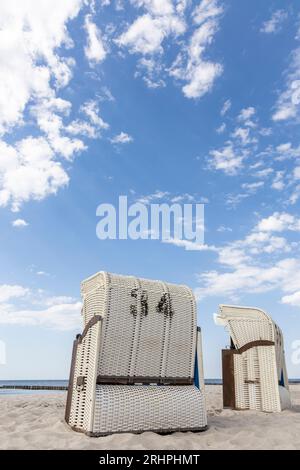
[(137, 366), (254, 370)]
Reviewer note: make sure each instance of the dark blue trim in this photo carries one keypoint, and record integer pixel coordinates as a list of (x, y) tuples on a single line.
[(196, 372)]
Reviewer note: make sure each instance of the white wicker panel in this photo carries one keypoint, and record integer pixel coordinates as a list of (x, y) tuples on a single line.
[(74, 411), (245, 331), (243, 313), (268, 378), (140, 342), (97, 280), (182, 337), (94, 303), (256, 385), (257, 370), (78, 398), (151, 335), (147, 345), (118, 333), (241, 389), (86, 357), (143, 408), (90, 341), (247, 386)]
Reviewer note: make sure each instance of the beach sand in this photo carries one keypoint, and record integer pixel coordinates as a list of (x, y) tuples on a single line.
[(37, 422)]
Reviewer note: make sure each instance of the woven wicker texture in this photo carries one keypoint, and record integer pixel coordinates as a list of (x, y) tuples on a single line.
[(121, 408), (136, 328), (139, 341), (258, 370)]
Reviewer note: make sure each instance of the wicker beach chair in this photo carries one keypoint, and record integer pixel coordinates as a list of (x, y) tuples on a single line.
[(254, 370), (137, 366)]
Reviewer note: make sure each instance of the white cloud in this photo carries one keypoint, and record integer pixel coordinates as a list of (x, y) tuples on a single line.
[(253, 265), (22, 306), (246, 278), (29, 171), (150, 69), (243, 135), (278, 181), (296, 172), (246, 113), (279, 222), (274, 24), (32, 72), (59, 317), (226, 107), (264, 173), (223, 228), (161, 20), (156, 7), (189, 245), (122, 138), (253, 187), (147, 33), (91, 109), (19, 223), (79, 127), (157, 195), (226, 159), (94, 50), (8, 292), (288, 103), (293, 299), (30, 34), (190, 65), (207, 9), (93, 126), (53, 126), (221, 129)]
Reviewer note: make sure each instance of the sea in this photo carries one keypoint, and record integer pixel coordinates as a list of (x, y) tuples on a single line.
[(64, 383)]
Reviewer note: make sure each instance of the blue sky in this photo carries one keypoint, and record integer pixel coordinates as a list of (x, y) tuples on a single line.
[(193, 100)]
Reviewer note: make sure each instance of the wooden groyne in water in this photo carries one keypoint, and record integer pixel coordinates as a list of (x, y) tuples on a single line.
[(33, 387)]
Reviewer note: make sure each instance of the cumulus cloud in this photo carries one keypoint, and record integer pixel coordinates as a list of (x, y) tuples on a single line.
[(22, 306), (147, 33), (255, 264), (288, 103), (9, 291), (190, 65), (33, 71), (293, 299), (122, 138), (30, 34), (226, 107), (279, 222), (94, 50), (19, 223), (29, 171), (221, 129), (274, 24), (90, 127), (161, 20), (226, 159)]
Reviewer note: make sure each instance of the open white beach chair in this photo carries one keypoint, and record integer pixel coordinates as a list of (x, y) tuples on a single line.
[(254, 370), (137, 366)]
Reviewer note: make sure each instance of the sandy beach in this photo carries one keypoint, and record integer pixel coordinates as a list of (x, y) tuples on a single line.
[(37, 422)]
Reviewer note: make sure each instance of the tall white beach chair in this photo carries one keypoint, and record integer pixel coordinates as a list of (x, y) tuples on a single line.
[(137, 366), (254, 370)]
